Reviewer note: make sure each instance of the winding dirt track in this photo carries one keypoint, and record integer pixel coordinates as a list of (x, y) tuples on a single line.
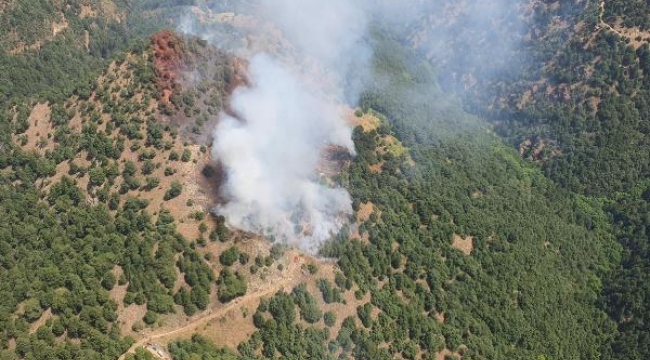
[(605, 25), (601, 12), (268, 288)]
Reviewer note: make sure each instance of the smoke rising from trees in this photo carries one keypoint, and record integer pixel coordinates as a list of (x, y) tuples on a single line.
[(271, 158), (290, 113), (287, 118)]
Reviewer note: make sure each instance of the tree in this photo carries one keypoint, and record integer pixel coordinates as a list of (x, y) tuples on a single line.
[(229, 257), (230, 286), (97, 176), (329, 318), (309, 310), (174, 191), (186, 156), (150, 317), (152, 182)]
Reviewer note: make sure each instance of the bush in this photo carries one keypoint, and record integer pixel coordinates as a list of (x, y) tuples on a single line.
[(174, 191), (329, 318), (229, 257), (187, 155), (330, 294), (97, 176), (230, 286), (150, 317), (309, 310), (152, 182)]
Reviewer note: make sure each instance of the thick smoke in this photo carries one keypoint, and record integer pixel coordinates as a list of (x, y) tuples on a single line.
[(272, 155), (285, 122), (332, 32), (291, 113)]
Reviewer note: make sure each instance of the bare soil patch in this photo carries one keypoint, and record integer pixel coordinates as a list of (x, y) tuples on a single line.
[(377, 168), (290, 276), (367, 121), (58, 27), (365, 210), (87, 12), (129, 316), (464, 245), (446, 352), (47, 314), (39, 128)]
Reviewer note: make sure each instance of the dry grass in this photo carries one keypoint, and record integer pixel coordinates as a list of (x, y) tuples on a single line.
[(342, 311), (464, 245), (187, 173), (367, 121), (440, 317), (390, 144), (635, 35), (109, 10), (47, 314), (446, 352), (377, 168), (386, 143), (87, 40), (21, 48), (39, 128), (129, 316), (218, 315), (58, 27), (87, 12), (365, 210), (226, 324)]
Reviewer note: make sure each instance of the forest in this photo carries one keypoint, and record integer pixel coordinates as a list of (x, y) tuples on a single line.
[(513, 222)]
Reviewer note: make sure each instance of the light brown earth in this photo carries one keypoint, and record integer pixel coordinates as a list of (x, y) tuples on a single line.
[(219, 320), (39, 128), (290, 277), (464, 245), (87, 12), (58, 27), (47, 314), (365, 210), (367, 121), (635, 35), (105, 8), (446, 352)]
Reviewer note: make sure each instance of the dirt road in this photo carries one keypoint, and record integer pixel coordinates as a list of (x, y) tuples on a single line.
[(268, 288)]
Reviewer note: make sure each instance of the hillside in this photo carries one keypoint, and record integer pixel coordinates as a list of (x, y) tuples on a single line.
[(497, 181), (582, 116), (119, 176)]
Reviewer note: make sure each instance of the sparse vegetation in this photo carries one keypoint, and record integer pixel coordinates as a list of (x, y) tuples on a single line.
[(174, 190)]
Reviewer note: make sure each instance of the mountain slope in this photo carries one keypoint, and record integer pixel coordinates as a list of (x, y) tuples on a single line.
[(458, 247)]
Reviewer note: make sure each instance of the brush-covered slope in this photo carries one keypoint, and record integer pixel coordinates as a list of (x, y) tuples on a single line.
[(458, 248), (103, 223), (50, 47), (463, 250), (575, 102)]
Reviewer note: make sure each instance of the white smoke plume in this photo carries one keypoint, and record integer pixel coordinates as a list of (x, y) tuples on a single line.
[(272, 150), (291, 113), (272, 155)]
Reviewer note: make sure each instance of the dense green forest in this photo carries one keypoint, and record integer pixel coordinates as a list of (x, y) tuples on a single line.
[(582, 117), (528, 289), (63, 62), (551, 193), (631, 13)]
